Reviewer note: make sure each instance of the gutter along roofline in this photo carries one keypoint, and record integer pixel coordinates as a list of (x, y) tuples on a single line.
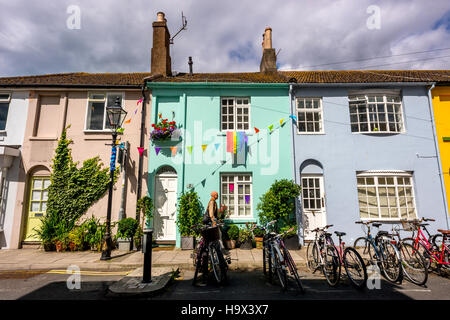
[(162, 85), (362, 84)]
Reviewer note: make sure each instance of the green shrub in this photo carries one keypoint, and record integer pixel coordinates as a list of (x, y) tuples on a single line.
[(144, 205), (278, 203), (94, 233), (259, 233), (189, 213), (127, 228), (233, 232), (286, 228), (246, 233)]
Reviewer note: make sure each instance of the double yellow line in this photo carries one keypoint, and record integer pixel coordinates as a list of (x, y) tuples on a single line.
[(89, 273)]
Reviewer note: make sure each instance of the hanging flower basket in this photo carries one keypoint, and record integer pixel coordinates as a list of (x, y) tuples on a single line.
[(163, 130)]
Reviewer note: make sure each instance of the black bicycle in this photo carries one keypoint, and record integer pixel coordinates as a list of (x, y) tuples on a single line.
[(208, 254), (276, 258)]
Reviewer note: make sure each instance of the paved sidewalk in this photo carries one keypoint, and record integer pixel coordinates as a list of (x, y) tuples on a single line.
[(36, 259)]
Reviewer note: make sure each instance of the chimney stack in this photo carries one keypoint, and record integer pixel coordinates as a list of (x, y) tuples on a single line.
[(190, 65), (269, 58), (160, 60)]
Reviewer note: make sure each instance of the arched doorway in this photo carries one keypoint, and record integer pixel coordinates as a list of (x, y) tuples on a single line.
[(165, 195), (38, 183), (313, 197)]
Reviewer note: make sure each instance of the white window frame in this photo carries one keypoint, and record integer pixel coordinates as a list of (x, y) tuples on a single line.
[(388, 174), (8, 101), (235, 114), (89, 99), (364, 97), (235, 194), (311, 110)]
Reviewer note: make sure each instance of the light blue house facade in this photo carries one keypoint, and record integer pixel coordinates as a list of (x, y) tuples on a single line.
[(204, 112), (365, 151)]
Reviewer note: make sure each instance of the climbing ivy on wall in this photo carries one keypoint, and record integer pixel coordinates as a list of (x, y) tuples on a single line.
[(73, 190)]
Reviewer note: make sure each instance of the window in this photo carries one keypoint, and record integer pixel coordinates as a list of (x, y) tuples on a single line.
[(386, 196), (96, 113), (309, 115), (376, 113), (237, 194), (312, 193), (39, 195), (235, 114), (4, 107)]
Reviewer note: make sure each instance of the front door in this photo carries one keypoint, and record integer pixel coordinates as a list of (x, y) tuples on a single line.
[(313, 203), (165, 207), (37, 206)]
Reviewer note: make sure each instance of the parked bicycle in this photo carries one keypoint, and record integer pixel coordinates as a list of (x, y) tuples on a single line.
[(324, 254), (380, 251), (276, 258), (208, 254), (434, 248), (413, 263)]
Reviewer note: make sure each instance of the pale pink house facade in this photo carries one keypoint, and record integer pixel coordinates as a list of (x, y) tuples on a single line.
[(76, 101)]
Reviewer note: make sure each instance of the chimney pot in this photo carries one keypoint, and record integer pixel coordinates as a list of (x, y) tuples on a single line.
[(160, 17)]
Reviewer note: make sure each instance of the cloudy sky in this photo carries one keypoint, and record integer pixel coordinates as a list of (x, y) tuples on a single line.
[(223, 36)]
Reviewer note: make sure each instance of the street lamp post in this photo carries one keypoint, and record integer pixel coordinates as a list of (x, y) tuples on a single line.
[(116, 115)]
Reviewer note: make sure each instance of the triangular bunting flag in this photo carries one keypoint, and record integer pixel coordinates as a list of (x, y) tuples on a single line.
[(136, 110), (293, 117), (128, 121), (204, 147), (174, 150), (281, 121), (256, 130), (189, 149), (160, 115), (139, 101), (157, 150), (141, 151), (203, 182), (270, 127), (217, 145), (120, 130)]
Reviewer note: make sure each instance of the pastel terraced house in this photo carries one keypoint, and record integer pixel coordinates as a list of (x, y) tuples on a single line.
[(40, 107)]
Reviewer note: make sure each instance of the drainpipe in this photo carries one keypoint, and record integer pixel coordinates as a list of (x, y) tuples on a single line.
[(297, 201), (438, 156), (141, 145), (123, 167)]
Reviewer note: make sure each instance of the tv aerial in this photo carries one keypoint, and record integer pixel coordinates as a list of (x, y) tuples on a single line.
[(183, 27)]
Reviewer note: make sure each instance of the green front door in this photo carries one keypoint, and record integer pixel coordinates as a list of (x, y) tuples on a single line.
[(37, 206)]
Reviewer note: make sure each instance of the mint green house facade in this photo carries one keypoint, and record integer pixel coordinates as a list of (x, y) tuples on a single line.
[(198, 159)]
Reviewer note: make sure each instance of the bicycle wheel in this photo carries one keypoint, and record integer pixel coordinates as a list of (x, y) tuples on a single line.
[(355, 268), (332, 265), (198, 263), (413, 264), (218, 263), (279, 269), (293, 270), (426, 254), (266, 260), (362, 246), (390, 261), (312, 256)]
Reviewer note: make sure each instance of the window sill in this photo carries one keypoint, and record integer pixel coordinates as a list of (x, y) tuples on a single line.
[(43, 138), (97, 131), (224, 133), (380, 133), (310, 133)]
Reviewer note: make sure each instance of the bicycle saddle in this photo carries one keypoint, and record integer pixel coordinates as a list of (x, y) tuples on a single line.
[(444, 231), (328, 234), (376, 225), (382, 233), (340, 234)]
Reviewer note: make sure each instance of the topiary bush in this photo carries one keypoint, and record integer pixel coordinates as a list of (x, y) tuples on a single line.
[(278, 203), (189, 213)]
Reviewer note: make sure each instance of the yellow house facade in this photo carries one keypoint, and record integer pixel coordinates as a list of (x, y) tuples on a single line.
[(441, 107)]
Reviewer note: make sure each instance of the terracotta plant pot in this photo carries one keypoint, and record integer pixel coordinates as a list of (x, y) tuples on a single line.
[(230, 244), (48, 246), (59, 246), (259, 242)]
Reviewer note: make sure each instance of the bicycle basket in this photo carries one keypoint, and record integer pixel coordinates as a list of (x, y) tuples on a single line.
[(408, 225), (211, 234)]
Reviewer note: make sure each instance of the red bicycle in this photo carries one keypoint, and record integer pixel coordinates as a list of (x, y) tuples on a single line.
[(434, 248)]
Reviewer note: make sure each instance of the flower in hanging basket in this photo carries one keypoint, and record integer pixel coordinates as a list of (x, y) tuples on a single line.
[(163, 130)]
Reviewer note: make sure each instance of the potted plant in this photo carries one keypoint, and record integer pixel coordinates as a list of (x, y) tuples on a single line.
[(163, 130), (246, 237), (189, 214), (125, 232), (291, 240), (259, 236), (46, 232), (233, 236), (137, 238)]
